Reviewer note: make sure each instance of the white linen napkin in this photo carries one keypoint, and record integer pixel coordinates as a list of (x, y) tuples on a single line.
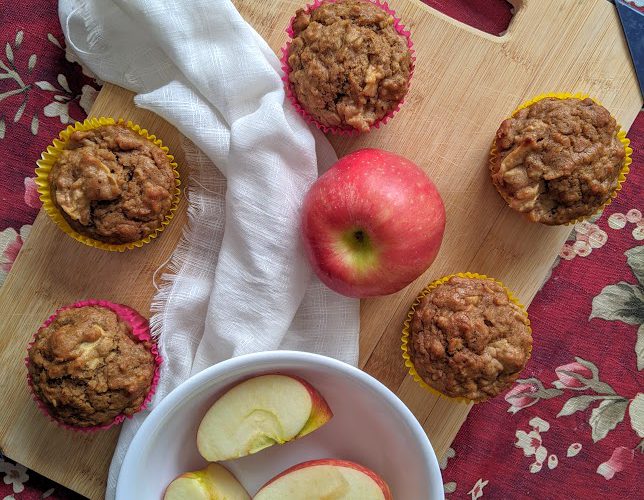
[(239, 280)]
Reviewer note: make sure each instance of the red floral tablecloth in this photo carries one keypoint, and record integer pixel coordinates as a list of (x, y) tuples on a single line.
[(572, 427)]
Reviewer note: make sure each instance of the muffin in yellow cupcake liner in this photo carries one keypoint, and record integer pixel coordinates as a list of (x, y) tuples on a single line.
[(49, 158), (410, 315), (621, 135)]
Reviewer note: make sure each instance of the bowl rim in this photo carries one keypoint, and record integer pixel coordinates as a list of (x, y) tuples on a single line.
[(191, 385)]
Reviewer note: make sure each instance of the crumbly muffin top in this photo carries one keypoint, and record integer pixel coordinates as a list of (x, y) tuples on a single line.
[(558, 159), (88, 368), (349, 66), (112, 184), (467, 339)]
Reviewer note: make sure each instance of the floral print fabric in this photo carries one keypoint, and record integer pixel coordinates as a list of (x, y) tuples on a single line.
[(571, 427)]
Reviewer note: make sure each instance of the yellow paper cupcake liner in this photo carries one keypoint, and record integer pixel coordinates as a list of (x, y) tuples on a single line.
[(621, 135), (49, 158), (406, 327)]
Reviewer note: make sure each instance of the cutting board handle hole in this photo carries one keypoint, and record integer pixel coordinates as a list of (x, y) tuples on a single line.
[(496, 21)]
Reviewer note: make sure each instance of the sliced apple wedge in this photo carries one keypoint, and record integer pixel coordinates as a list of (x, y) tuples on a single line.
[(258, 413), (326, 479), (213, 482)]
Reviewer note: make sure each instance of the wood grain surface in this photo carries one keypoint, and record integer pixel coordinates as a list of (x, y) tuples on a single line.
[(466, 82)]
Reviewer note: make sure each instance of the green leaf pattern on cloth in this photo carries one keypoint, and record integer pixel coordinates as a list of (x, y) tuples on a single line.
[(620, 302), (635, 259), (625, 302), (579, 403), (636, 413), (639, 347), (606, 416)]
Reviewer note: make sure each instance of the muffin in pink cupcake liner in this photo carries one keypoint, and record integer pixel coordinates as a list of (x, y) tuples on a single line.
[(140, 329), (290, 94)]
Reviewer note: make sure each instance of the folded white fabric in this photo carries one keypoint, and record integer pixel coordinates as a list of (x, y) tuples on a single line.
[(240, 282)]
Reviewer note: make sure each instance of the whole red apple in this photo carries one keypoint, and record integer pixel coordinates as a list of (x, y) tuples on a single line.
[(372, 223)]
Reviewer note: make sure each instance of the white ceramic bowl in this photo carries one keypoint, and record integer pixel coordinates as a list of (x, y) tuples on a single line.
[(370, 426)]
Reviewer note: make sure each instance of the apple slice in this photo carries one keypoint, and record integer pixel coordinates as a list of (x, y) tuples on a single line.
[(258, 413), (326, 479), (213, 482)]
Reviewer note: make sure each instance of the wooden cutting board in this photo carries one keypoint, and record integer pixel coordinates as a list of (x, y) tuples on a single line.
[(465, 83)]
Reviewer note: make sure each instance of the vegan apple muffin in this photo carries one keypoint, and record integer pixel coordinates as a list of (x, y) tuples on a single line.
[(87, 368), (349, 66), (558, 159), (467, 338), (112, 185)]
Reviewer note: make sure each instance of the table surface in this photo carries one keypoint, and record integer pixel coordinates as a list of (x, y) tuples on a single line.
[(577, 416)]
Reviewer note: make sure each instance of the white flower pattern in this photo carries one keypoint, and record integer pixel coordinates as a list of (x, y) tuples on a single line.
[(553, 461), (532, 444), (573, 450), (15, 475), (619, 220), (87, 98), (477, 489), (450, 453), (60, 109), (448, 487), (587, 236)]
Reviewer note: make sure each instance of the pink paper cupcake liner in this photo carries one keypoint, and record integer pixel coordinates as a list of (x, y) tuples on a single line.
[(140, 330), (350, 131)]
